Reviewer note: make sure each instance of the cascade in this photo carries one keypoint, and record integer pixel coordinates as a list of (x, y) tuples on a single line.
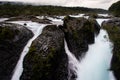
[(36, 29)]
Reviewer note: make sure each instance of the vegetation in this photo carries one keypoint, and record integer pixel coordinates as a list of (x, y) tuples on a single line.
[(114, 32), (7, 33), (115, 9), (13, 9)]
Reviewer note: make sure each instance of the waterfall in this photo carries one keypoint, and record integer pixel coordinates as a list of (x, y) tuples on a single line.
[(36, 29), (73, 62), (95, 64)]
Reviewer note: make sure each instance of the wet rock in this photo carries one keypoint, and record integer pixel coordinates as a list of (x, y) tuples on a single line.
[(79, 32), (30, 18), (46, 59), (113, 28), (13, 38)]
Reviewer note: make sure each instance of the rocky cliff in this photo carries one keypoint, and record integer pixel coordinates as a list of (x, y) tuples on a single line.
[(113, 28), (13, 38), (79, 32), (47, 59)]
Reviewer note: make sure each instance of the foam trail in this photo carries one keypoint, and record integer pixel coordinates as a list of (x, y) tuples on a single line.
[(73, 62), (36, 29)]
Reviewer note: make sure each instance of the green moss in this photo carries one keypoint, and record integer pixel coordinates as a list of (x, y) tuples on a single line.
[(41, 65), (75, 35), (93, 15), (114, 34), (7, 33), (115, 9), (32, 49)]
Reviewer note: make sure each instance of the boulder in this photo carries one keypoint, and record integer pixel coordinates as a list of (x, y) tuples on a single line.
[(46, 59), (13, 38), (79, 32), (113, 28)]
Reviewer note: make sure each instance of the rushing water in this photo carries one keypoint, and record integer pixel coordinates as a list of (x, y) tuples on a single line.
[(36, 29), (95, 64), (3, 19)]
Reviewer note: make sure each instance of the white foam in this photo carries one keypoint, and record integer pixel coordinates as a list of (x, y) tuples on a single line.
[(96, 63), (3, 19), (36, 29)]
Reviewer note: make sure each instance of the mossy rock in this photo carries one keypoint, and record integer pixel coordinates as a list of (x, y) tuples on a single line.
[(8, 33), (79, 32), (114, 33), (115, 9), (13, 39), (47, 59)]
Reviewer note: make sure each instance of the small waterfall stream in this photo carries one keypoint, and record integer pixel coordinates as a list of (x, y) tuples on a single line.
[(95, 64), (36, 29)]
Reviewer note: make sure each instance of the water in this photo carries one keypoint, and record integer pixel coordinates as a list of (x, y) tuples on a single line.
[(101, 20), (95, 64), (79, 15), (36, 29), (56, 21), (3, 19), (73, 62), (104, 15)]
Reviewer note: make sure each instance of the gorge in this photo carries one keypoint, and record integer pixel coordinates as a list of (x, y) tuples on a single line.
[(73, 48)]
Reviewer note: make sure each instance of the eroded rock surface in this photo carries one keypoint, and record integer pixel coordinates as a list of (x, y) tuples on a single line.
[(113, 28), (79, 32), (13, 38), (47, 59)]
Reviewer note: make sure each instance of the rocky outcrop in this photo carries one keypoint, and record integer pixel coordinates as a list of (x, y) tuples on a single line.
[(13, 38), (113, 28), (30, 18), (115, 9), (46, 59), (79, 32)]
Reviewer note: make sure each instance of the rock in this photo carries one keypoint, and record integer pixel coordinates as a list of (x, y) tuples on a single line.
[(46, 59), (115, 9), (113, 28), (79, 32), (92, 15), (13, 38), (30, 18)]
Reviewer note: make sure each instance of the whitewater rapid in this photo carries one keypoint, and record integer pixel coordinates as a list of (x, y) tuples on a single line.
[(95, 64), (3, 19), (36, 29)]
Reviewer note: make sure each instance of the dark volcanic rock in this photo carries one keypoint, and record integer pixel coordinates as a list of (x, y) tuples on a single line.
[(46, 59), (13, 38), (79, 32), (113, 28)]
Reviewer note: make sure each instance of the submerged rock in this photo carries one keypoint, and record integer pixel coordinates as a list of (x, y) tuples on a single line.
[(46, 59), (79, 32), (13, 38), (113, 28)]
